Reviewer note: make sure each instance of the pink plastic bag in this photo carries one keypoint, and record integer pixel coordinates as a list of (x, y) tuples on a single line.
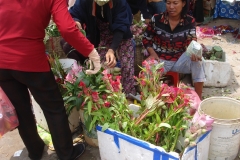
[(203, 32), (8, 116), (193, 97)]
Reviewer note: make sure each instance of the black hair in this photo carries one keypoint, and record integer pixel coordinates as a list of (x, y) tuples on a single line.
[(185, 8)]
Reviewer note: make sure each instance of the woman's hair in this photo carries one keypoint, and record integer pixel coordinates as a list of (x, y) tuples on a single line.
[(185, 8)]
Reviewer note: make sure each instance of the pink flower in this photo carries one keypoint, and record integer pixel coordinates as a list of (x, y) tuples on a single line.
[(69, 77), (115, 86), (105, 72), (85, 91), (76, 68), (193, 97), (82, 84), (107, 104), (143, 83), (104, 96), (145, 64), (209, 122), (118, 78), (204, 121), (95, 96)]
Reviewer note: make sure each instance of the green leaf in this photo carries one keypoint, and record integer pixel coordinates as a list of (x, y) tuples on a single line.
[(92, 124), (83, 32), (69, 109), (102, 86), (96, 113), (124, 124), (105, 126), (87, 121), (70, 99), (107, 91), (89, 106), (164, 125), (79, 102)]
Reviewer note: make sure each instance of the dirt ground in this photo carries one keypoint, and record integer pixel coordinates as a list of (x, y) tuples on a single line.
[(11, 142)]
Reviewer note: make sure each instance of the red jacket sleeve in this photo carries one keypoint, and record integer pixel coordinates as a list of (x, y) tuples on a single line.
[(67, 28)]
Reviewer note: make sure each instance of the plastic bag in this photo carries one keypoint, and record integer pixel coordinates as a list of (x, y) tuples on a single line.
[(8, 116), (194, 48), (203, 32), (193, 97)]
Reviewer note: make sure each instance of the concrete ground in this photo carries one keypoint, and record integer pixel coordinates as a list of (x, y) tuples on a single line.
[(11, 142)]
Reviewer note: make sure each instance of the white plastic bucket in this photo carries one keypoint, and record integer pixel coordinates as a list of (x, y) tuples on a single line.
[(67, 63), (225, 136)]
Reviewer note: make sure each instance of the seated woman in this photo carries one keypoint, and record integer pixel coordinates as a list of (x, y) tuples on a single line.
[(108, 28), (167, 37)]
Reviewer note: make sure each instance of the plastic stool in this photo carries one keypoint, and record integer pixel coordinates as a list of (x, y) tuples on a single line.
[(174, 76)]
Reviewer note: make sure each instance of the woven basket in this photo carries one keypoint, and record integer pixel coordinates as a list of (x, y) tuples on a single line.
[(53, 46), (139, 58)]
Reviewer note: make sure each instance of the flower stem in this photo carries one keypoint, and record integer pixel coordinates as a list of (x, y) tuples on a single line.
[(142, 116), (175, 141)]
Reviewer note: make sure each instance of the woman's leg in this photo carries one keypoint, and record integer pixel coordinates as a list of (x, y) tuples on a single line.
[(18, 94), (44, 89), (198, 86), (196, 68), (126, 57)]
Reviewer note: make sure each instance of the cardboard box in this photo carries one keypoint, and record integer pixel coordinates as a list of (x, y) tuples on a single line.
[(114, 145)]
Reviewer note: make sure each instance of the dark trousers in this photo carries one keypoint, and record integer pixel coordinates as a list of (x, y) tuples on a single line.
[(44, 89)]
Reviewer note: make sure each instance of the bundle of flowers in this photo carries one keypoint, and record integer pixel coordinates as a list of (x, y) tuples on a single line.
[(99, 95), (175, 106), (58, 71), (163, 117), (137, 30)]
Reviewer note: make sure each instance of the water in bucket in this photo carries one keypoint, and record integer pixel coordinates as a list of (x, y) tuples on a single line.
[(225, 135)]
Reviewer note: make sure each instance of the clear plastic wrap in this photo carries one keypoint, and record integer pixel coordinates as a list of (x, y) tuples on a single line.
[(194, 48)]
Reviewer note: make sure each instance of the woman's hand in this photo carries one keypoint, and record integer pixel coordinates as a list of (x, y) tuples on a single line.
[(147, 21), (194, 57), (153, 54), (78, 25), (110, 59)]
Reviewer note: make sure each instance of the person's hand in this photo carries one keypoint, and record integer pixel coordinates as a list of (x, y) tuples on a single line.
[(78, 25), (95, 58), (147, 21), (110, 59), (194, 57), (153, 55)]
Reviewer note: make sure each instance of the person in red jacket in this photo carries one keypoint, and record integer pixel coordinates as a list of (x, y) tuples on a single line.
[(24, 67)]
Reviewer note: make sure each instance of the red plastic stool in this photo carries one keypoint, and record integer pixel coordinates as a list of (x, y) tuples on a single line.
[(174, 77)]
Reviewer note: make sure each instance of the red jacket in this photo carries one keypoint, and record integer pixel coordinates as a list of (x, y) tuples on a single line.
[(22, 25)]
